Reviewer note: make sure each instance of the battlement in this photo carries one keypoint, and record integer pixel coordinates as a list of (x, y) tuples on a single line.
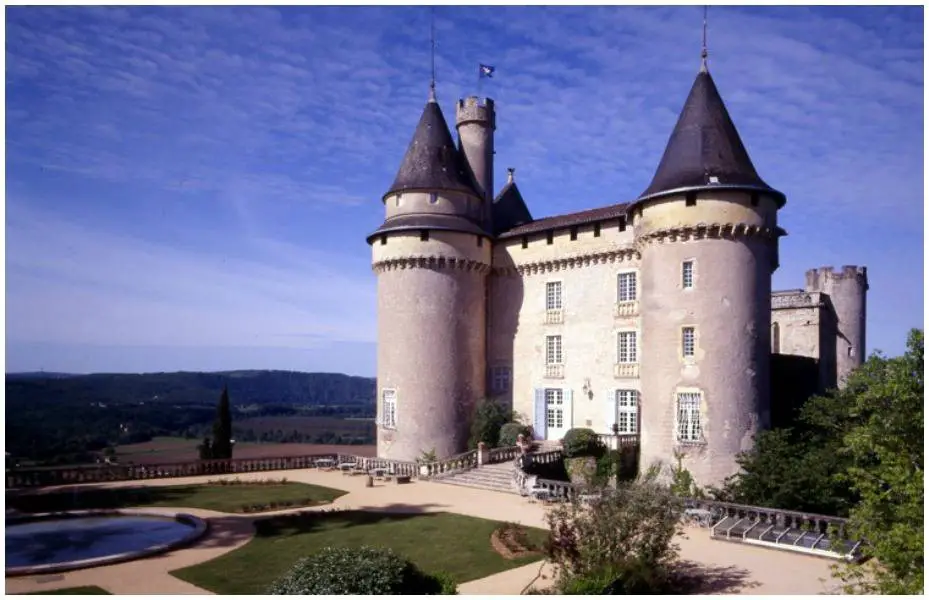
[(795, 299), (475, 110), (817, 278)]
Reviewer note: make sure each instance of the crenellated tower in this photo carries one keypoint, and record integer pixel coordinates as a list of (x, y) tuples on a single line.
[(706, 229), (475, 120), (432, 256), (847, 290)]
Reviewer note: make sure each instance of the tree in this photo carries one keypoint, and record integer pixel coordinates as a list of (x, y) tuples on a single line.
[(885, 447), (489, 416), (222, 428)]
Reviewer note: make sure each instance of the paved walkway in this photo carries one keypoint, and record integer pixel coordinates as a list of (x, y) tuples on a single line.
[(729, 567)]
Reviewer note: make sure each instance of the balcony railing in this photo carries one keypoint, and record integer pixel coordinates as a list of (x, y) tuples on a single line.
[(554, 371), (626, 309), (615, 442), (454, 464), (554, 316), (626, 370)]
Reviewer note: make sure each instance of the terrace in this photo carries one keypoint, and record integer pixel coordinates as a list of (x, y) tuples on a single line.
[(721, 567)]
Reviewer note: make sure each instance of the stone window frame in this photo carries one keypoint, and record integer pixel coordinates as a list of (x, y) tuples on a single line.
[(692, 342), (552, 352), (619, 286), (634, 351), (688, 420), (630, 408), (550, 285), (389, 408), (690, 277), (501, 373), (561, 399)]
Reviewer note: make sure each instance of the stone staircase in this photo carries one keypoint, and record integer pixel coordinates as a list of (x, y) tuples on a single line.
[(497, 477)]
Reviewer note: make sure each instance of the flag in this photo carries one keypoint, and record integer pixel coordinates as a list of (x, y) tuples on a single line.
[(487, 70)]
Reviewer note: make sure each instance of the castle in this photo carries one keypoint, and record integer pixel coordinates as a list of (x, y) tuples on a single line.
[(652, 317)]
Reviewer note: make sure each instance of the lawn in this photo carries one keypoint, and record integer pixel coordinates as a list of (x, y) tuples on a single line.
[(456, 544), (223, 498), (87, 590)]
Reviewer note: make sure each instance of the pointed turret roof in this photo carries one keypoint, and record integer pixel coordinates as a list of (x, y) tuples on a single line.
[(509, 208), (705, 150), (432, 161)]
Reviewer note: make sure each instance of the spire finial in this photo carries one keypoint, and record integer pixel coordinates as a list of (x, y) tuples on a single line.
[(432, 40), (703, 53), (509, 174)]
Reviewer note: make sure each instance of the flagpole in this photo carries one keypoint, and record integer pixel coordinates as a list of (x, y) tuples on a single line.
[(480, 80)]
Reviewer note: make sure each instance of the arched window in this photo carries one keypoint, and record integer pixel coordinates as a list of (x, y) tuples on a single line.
[(775, 338)]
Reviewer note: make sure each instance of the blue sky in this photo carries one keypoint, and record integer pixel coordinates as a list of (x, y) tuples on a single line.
[(190, 188)]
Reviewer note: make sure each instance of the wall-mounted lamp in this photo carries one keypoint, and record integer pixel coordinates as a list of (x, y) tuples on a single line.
[(587, 390)]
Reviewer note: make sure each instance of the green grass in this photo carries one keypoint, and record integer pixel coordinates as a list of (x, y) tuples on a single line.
[(456, 544), (222, 498), (75, 591)]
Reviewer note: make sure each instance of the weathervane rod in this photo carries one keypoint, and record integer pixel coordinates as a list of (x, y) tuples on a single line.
[(703, 53), (432, 40)]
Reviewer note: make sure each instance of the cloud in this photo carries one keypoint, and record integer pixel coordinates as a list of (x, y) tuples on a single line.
[(266, 136), (68, 284)]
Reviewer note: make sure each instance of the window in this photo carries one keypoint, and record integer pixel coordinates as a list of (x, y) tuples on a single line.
[(553, 350), (626, 347), (687, 341), (433, 198), (596, 229), (627, 411), (691, 199), (754, 198), (384, 240), (688, 417), (687, 274), (627, 288), (525, 242), (500, 379), (622, 223), (573, 234), (550, 237), (480, 241), (553, 295), (554, 408), (424, 235), (775, 338), (389, 409)]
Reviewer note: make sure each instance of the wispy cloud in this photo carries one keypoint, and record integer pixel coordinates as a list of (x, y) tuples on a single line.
[(165, 140)]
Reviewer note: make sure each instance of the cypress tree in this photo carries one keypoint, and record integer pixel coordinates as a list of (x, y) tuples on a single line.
[(222, 428)]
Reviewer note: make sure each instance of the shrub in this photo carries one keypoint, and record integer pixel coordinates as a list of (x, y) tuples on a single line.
[(447, 583), (362, 570), (628, 537), (489, 417), (510, 431), (581, 441)]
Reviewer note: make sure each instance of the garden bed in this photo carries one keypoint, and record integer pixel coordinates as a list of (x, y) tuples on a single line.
[(435, 542)]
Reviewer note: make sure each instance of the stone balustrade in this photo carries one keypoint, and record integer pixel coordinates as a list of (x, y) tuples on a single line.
[(825, 524), (459, 462), (505, 454), (50, 476), (617, 442)]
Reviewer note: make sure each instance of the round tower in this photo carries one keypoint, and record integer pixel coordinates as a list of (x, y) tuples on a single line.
[(475, 121), (706, 229), (847, 290), (432, 258)]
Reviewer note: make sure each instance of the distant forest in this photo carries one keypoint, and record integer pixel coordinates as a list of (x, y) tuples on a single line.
[(55, 418)]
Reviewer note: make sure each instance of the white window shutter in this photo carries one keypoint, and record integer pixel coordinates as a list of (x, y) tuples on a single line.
[(569, 408), (540, 417), (610, 410)]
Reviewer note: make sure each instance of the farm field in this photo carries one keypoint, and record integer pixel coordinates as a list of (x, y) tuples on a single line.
[(166, 449)]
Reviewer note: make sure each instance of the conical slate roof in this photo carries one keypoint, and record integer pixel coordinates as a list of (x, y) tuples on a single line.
[(509, 208), (432, 162), (705, 150)]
